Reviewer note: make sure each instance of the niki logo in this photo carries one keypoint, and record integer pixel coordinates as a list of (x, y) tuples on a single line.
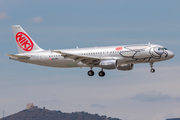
[(119, 48), (24, 41)]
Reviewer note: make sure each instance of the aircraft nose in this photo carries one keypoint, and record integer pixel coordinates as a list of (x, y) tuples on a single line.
[(170, 54)]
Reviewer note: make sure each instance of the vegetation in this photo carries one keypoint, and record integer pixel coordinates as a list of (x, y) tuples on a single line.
[(44, 114), (173, 119)]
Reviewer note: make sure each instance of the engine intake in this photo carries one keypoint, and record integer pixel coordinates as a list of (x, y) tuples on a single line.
[(125, 67), (108, 64)]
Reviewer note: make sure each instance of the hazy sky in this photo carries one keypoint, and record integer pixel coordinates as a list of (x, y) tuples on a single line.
[(60, 24)]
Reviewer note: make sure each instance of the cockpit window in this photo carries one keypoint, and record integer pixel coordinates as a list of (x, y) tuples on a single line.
[(162, 49)]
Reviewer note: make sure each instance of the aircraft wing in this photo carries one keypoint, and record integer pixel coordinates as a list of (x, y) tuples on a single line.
[(18, 56), (88, 60)]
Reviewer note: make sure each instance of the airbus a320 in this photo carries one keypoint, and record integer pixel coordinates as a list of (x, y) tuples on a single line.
[(121, 57)]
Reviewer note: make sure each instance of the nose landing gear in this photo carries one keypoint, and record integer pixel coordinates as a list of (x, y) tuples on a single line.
[(152, 69)]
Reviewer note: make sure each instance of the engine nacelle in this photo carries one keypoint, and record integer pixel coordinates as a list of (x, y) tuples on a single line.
[(125, 67), (108, 64)]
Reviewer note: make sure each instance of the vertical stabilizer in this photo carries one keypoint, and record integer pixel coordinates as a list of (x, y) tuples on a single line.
[(24, 42)]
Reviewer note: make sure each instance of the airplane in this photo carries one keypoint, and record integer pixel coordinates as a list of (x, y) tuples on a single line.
[(121, 57)]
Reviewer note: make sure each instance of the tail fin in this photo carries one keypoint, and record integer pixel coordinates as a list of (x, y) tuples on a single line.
[(24, 42)]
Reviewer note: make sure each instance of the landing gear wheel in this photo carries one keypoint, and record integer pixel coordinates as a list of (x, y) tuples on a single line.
[(101, 73), (90, 73), (152, 70)]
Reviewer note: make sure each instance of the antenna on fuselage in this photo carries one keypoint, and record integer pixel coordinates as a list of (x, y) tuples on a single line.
[(149, 43), (77, 47), (51, 51)]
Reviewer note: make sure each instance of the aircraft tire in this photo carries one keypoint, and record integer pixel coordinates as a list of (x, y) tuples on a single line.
[(101, 73), (90, 73), (152, 70)]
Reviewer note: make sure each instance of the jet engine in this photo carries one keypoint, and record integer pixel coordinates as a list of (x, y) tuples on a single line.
[(108, 64), (125, 67)]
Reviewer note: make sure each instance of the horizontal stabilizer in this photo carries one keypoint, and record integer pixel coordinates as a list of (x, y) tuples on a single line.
[(18, 56)]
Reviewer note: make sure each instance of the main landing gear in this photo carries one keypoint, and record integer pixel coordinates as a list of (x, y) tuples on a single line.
[(90, 73), (101, 73), (152, 70)]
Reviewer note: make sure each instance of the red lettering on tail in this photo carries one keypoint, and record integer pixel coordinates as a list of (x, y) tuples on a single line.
[(24, 41)]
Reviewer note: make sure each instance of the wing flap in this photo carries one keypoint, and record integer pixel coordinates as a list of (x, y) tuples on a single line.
[(85, 59), (88, 60), (68, 55)]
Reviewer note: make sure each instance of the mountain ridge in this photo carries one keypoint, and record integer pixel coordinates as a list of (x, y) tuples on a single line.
[(45, 114)]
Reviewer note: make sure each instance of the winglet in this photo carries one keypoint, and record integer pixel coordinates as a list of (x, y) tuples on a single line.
[(51, 51)]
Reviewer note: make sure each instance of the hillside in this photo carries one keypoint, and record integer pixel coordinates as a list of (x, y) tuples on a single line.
[(173, 119), (44, 114)]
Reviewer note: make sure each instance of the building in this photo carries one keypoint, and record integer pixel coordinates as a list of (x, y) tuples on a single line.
[(30, 105)]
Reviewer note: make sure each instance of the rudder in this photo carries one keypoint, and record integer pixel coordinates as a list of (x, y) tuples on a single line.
[(24, 42)]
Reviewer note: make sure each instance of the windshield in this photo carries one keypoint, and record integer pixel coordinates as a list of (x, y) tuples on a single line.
[(162, 49)]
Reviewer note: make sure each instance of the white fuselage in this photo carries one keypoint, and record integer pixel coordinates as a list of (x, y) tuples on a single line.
[(128, 54), (121, 57)]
